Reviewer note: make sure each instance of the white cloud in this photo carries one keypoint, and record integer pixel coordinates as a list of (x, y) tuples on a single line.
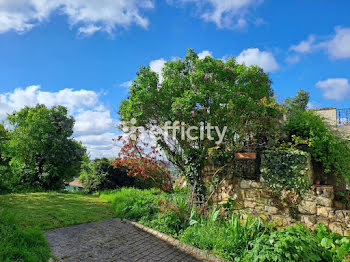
[(126, 84), (93, 122), (304, 46), (204, 54), (224, 13), (263, 59), (89, 15), (89, 30), (32, 95), (94, 125), (339, 46), (293, 59), (101, 145), (157, 66), (335, 88)]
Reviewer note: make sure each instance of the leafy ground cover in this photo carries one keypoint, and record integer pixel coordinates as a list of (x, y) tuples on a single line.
[(24, 217), (223, 233)]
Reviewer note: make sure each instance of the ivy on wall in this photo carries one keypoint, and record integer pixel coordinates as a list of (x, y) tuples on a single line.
[(285, 170)]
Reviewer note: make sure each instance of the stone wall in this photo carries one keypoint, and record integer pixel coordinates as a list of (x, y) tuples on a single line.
[(329, 114), (317, 206)]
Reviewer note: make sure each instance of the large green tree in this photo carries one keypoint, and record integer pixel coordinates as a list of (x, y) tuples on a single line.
[(42, 150), (200, 92)]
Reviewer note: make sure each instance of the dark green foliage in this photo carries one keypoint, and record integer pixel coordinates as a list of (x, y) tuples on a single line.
[(289, 244), (100, 174), (285, 170), (325, 145), (43, 154), (19, 245)]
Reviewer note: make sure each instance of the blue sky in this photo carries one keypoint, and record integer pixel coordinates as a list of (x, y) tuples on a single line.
[(82, 53)]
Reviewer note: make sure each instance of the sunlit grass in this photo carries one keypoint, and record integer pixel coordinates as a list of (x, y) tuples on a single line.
[(52, 210)]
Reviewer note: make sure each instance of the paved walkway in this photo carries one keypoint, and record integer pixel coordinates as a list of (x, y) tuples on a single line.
[(110, 240)]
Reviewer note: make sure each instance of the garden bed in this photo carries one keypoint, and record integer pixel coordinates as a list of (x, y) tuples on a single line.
[(223, 234)]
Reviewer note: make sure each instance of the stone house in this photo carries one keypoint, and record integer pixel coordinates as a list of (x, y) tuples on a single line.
[(338, 118)]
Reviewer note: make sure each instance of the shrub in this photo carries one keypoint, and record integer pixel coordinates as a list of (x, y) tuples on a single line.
[(285, 170), (21, 245), (290, 244), (147, 167), (323, 143), (100, 174)]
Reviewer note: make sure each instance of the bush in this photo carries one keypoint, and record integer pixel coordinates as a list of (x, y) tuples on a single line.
[(100, 174), (323, 143), (285, 170), (20, 245)]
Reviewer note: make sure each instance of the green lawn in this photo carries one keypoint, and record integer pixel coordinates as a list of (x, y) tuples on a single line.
[(52, 210), (24, 217)]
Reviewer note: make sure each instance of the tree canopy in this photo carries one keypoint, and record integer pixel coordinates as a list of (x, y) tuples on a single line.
[(197, 92), (41, 148)]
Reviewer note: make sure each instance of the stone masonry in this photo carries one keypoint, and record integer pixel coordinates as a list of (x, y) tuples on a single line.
[(317, 206)]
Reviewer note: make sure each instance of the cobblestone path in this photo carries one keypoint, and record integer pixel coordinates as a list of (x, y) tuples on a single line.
[(110, 240)]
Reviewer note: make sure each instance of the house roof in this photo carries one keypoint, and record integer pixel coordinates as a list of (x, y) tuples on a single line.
[(76, 183)]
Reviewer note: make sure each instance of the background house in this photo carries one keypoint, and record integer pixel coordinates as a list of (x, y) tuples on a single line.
[(338, 118), (75, 185)]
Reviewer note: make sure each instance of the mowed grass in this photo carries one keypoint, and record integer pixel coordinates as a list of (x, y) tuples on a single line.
[(53, 210), (25, 217)]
